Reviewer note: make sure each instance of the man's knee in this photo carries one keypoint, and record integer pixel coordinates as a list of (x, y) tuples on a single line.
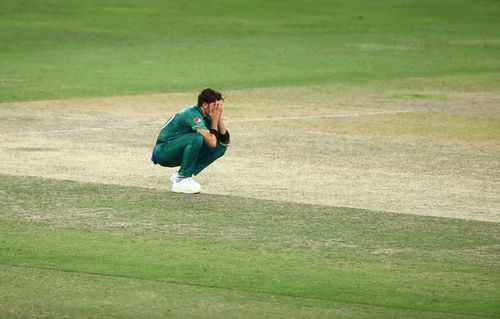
[(220, 150), (197, 141), (197, 138)]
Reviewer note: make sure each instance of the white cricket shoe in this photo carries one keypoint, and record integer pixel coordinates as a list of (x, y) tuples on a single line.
[(174, 177), (187, 186)]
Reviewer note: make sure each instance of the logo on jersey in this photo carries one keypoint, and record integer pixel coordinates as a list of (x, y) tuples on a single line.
[(197, 120)]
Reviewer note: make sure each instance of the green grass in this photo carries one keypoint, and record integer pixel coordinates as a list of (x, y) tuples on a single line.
[(61, 49), (79, 250), (87, 250), (431, 126)]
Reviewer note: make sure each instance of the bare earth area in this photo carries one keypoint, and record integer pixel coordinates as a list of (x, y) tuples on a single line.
[(427, 152)]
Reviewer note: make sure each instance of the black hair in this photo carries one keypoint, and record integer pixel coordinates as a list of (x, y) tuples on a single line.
[(209, 95)]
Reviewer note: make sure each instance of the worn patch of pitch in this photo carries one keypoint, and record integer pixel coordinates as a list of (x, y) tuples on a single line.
[(108, 140)]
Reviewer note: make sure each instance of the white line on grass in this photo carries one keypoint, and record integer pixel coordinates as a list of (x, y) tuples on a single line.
[(152, 126), (312, 117)]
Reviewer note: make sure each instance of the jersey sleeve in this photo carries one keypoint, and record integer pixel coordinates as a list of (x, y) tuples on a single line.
[(196, 123)]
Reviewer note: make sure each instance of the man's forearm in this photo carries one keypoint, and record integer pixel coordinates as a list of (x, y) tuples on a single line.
[(215, 124), (221, 127)]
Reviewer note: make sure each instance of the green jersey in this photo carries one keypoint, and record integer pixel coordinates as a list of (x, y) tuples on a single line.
[(187, 121)]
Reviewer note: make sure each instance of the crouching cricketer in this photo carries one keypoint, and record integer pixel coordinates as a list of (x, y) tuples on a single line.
[(192, 139)]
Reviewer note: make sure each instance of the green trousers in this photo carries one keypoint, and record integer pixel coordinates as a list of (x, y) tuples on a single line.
[(189, 152)]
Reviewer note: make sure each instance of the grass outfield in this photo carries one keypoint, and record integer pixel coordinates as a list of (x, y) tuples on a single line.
[(88, 250), (405, 130), (60, 49)]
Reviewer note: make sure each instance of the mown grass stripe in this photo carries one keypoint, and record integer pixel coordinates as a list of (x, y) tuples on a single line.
[(180, 283)]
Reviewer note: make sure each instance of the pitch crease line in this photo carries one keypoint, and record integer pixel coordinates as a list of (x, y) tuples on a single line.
[(267, 119), (308, 117)]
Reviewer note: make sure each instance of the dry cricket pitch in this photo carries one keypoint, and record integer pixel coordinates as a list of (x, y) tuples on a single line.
[(426, 153)]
